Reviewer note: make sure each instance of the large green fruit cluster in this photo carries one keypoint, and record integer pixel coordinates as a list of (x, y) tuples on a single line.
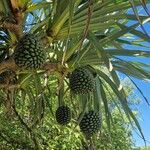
[(63, 115), (29, 52), (82, 81), (90, 123)]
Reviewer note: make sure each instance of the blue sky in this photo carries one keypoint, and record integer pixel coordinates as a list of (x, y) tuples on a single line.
[(144, 115), (144, 109)]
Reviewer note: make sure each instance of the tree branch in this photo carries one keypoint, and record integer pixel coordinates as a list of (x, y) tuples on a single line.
[(17, 11), (13, 22), (10, 23), (15, 28), (8, 64), (50, 67), (9, 86)]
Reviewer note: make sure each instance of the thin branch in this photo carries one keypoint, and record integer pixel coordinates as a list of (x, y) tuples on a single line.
[(50, 67), (138, 18), (13, 142), (32, 134), (3, 137), (9, 86), (85, 32), (91, 145), (147, 101), (10, 23), (14, 22), (17, 12), (9, 64)]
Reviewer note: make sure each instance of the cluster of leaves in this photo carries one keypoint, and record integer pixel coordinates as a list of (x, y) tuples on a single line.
[(31, 123), (50, 135), (75, 33)]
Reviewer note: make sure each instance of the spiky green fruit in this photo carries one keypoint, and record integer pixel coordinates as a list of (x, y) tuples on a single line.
[(63, 115), (90, 123), (82, 81), (29, 52)]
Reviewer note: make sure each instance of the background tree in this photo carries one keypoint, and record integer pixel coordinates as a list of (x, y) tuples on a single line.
[(55, 54), (51, 135)]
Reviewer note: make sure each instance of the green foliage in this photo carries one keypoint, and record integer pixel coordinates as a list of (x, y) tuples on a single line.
[(118, 137), (73, 34), (43, 126), (53, 136)]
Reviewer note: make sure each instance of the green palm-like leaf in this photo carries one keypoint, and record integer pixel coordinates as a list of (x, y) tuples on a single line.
[(95, 34), (111, 16)]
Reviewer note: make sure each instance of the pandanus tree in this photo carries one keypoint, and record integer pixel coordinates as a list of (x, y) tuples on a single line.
[(60, 57)]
